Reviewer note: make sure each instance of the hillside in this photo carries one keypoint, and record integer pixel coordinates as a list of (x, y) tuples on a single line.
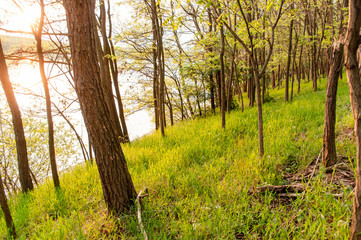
[(13, 43), (200, 177)]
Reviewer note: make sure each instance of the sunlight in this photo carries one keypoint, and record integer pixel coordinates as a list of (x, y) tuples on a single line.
[(20, 15), (29, 16), (27, 76)]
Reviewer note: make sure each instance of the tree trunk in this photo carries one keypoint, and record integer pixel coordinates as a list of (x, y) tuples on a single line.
[(37, 35), (118, 188), (289, 60), (155, 76), (329, 156), (260, 117), (5, 208), (353, 78), (112, 63), (211, 82), (222, 80), (21, 149)]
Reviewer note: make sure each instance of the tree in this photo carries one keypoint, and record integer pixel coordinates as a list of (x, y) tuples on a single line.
[(222, 78), (289, 58), (38, 37), (329, 156), (118, 188), (258, 71), (22, 155), (5, 208), (352, 43), (110, 60)]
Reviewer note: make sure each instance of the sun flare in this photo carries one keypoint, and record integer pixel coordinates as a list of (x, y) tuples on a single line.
[(29, 16)]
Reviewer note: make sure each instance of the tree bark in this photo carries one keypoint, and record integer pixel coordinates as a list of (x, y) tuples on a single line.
[(111, 61), (289, 59), (118, 188), (38, 36), (222, 80), (352, 43), (21, 149), (329, 156), (260, 117), (5, 208)]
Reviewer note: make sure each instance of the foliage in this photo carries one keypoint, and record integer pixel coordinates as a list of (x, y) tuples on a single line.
[(198, 177), (66, 148)]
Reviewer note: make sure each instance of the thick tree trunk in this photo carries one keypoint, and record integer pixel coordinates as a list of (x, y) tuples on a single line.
[(329, 156), (352, 43), (118, 188), (21, 149)]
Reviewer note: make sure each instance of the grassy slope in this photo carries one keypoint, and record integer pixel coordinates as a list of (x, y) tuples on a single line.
[(198, 177)]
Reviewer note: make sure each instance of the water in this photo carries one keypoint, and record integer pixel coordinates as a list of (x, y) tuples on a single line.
[(27, 83)]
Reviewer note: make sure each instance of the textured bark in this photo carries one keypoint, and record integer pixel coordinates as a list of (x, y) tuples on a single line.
[(5, 208), (329, 156), (106, 82), (353, 78), (109, 50), (38, 36), (21, 149), (118, 188)]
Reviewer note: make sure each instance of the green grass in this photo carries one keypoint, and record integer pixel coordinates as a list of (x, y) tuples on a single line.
[(198, 177)]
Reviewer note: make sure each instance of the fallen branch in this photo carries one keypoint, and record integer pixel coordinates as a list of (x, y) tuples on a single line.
[(296, 195), (314, 169), (139, 213), (294, 188)]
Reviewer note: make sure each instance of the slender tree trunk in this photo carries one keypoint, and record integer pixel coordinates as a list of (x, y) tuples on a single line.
[(222, 80), (329, 156), (239, 87), (213, 105), (260, 117), (313, 54), (293, 65), (289, 59), (38, 36), (160, 57), (251, 87), (21, 149), (170, 107), (118, 188), (211, 77), (80, 140), (6, 211), (155, 76), (110, 67)]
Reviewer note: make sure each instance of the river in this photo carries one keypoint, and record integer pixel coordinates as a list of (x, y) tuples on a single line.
[(26, 78)]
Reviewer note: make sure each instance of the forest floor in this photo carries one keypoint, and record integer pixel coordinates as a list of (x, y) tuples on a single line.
[(208, 183)]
